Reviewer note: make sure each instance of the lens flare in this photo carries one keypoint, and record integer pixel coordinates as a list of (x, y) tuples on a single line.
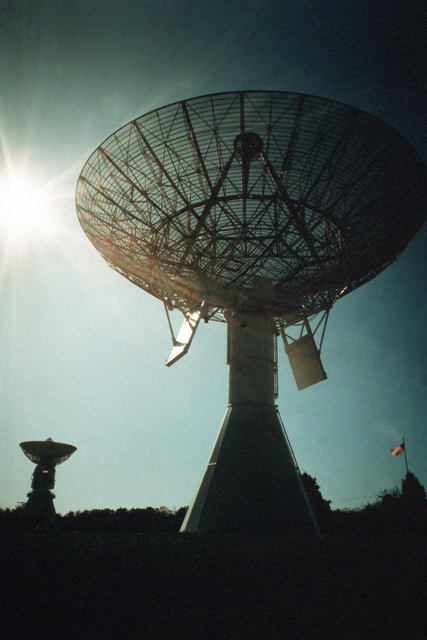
[(25, 207)]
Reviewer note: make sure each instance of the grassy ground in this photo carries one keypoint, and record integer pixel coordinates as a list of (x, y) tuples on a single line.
[(181, 586)]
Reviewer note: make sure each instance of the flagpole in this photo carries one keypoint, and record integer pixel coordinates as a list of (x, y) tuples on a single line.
[(404, 449)]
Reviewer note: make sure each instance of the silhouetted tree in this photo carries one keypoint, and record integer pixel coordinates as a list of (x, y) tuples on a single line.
[(180, 515), (396, 514), (320, 506), (413, 491), (414, 505)]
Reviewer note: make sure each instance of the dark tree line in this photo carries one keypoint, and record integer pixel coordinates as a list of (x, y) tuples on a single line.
[(396, 513), (147, 520)]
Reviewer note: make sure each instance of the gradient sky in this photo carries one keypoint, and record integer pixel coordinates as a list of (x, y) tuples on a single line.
[(82, 350)]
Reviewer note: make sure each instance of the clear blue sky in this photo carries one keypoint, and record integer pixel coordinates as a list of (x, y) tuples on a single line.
[(82, 350)]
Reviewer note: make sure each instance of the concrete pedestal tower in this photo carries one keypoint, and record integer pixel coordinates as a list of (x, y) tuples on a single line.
[(251, 482)]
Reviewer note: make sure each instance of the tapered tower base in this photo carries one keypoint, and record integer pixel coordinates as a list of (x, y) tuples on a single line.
[(251, 484), (40, 504), (40, 499)]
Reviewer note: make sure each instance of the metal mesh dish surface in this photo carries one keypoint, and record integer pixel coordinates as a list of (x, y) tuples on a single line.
[(195, 199)]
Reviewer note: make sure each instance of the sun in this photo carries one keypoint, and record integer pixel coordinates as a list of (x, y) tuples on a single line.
[(25, 207)]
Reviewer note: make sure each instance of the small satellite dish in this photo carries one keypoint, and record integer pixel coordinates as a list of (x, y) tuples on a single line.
[(265, 207), (46, 455), (47, 452)]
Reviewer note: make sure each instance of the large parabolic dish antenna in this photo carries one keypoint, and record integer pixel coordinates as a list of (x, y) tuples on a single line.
[(193, 200), (265, 207)]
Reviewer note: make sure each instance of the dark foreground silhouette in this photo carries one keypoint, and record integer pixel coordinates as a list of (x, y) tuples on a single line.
[(162, 586), (97, 576)]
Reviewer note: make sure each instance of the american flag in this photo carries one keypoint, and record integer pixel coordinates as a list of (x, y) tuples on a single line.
[(396, 451)]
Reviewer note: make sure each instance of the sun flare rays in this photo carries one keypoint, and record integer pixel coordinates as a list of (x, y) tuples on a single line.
[(27, 209)]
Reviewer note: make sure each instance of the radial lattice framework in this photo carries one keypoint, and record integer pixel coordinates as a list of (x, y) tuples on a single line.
[(252, 207), (193, 200)]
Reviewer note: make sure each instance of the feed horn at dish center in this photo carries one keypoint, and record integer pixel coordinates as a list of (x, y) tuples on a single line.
[(259, 209)]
